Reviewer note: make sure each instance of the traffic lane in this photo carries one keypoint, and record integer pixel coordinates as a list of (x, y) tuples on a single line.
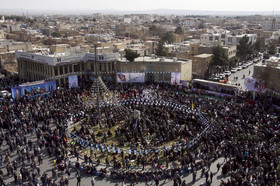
[(248, 72)]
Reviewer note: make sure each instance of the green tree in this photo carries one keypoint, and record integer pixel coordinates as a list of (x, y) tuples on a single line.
[(201, 25), (257, 46), (219, 57), (245, 48), (153, 29), (161, 50), (272, 49), (56, 34), (130, 55), (179, 30), (168, 37)]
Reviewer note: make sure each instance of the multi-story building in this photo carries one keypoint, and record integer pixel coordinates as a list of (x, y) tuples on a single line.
[(225, 39), (158, 69), (271, 24), (200, 65), (269, 73), (33, 67)]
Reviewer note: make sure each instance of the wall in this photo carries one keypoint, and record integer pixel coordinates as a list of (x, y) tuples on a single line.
[(270, 74)]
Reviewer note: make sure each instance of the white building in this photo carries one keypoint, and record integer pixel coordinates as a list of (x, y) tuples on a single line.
[(271, 24), (225, 39)]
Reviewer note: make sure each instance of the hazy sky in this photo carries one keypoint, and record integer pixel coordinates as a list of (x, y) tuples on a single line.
[(222, 5)]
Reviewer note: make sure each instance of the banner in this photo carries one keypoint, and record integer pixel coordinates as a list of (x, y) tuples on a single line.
[(175, 78), (253, 84), (73, 81), (131, 77), (50, 86), (17, 92)]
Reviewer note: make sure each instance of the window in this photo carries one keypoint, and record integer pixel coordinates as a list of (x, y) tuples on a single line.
[(109, 67), (66, 69), (61, 70), (55, 71), (210, 38), (230, 39), (216, 38)]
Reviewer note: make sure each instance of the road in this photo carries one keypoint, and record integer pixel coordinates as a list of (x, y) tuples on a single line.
[(240, 74)]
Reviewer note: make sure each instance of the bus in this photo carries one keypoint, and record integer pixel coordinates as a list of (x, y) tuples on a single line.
[(202, 86)]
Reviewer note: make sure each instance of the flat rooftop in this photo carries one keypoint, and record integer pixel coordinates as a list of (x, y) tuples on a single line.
[(203, 55), (158, 59)]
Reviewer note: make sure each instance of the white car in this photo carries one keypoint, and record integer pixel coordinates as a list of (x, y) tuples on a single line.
[(233, 70), (239, 68), (244, 66), (222, 76), (228, 73)]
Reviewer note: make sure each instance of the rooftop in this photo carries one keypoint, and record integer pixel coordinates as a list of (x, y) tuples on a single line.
[(156, 59), (203, 55)]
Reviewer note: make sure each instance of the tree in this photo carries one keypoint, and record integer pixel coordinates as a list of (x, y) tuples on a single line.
[(152, 29), (201, 25), (219, 57), (272, 49), (130, 55), (257, 46), (179, 30), (168, 37), (161, 50), (56, 34), (245, 48)]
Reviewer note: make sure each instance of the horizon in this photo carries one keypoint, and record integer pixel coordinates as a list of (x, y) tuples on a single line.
[(163, 11), (144, 5)]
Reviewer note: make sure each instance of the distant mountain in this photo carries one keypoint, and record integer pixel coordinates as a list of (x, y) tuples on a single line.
[(121, 12)]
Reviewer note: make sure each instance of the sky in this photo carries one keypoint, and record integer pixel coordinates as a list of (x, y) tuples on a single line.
[(216, 5)]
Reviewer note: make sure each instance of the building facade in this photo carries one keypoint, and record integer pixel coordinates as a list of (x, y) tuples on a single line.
[(225, 39), (34, 67), (157, 69)]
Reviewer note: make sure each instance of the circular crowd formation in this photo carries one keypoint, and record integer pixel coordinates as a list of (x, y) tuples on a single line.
[(156, 129)]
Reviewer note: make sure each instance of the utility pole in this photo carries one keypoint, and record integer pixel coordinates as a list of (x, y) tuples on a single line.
[(97, 76)]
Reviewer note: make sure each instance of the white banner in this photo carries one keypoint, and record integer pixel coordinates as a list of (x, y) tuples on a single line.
[(131, 77), (253, 84), (175, 78), (73, 81)]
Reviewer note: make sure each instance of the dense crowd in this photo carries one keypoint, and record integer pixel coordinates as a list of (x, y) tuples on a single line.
[(244, 132)]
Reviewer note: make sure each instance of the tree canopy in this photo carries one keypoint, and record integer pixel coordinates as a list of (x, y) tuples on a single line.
[(56, 34), (219, 58), (161, 50), (179, 30), (168, 37), (272, 49), (245, 48), (130, 55)]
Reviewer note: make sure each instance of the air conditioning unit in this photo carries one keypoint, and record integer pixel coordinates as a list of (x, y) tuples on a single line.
[(175, 59), (162, 59), (153, 56)]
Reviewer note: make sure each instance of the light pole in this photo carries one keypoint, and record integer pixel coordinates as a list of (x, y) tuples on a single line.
[(97, 84)]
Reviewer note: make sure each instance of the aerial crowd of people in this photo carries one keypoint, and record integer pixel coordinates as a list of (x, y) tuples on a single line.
[(244, 132)]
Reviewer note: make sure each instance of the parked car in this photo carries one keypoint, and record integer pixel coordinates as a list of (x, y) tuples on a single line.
[(244, 66), (239, 68), (222, 76), (228, 73), (233, 70)]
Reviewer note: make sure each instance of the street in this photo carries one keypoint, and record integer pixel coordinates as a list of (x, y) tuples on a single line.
[(239, 75)]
